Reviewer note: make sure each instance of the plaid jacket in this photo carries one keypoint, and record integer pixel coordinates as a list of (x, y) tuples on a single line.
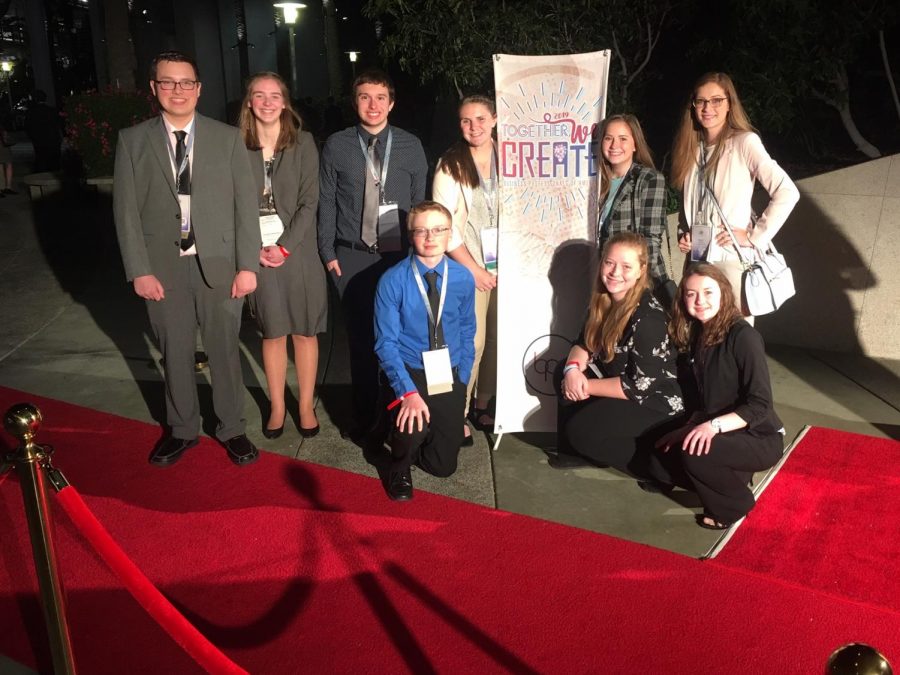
[(640, 206)]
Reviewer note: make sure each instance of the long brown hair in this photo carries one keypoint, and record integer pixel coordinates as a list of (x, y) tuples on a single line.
[(690, 133), (642, 153), (685, 329), (290, 120), (457, 161), (607, 319)]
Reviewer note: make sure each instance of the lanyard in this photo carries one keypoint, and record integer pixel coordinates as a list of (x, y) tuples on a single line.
[(702, 185), (490, 196), (189, 146), (384, 165), (445, 276)]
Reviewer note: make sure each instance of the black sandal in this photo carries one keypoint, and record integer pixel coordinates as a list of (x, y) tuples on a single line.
[(714, 525), (476, 415)]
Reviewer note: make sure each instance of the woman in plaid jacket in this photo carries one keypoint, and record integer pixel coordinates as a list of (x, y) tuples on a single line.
[(632, 192)]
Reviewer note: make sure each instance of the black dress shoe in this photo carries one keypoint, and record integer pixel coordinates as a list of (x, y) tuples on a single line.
[(400, 487), (170, 449), (655, 487), (564, 460), (273, 433), (240, 450)]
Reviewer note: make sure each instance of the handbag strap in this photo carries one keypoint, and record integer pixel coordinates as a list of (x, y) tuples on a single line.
[(734, 241)]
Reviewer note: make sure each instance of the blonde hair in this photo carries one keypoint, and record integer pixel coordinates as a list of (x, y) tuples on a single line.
[(642, 153), (607, 319), (690, 133), (290, 120)]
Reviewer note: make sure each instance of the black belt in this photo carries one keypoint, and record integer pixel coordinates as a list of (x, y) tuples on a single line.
[(356, 246)]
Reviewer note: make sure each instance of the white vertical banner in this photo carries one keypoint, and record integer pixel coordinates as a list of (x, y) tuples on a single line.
[(548, 110)]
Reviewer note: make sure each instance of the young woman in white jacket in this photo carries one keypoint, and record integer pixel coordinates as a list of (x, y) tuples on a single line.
[(718, 153)]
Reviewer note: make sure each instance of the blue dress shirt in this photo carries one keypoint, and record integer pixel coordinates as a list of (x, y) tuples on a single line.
[(401, 321)]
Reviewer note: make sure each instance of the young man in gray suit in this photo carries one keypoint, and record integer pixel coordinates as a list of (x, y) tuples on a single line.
[(187, 219)]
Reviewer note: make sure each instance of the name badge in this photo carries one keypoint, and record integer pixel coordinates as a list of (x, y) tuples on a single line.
[(389, 227), (701, 237), (438, 372), (489, 238), (184, 203), (271, 228)]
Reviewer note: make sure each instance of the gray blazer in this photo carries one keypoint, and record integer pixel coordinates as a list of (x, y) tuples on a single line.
[(295, 184), (224, 207)]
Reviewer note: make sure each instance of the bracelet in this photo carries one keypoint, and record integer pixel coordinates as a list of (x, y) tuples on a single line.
[(571, 366), (393, 404), (284, 251)]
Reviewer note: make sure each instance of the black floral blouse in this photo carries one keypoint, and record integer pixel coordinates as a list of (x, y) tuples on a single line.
[(645, 360)]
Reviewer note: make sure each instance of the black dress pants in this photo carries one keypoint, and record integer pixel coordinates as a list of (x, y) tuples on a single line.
[(720, 477), (616, 432), (434, 449), (360, 272)]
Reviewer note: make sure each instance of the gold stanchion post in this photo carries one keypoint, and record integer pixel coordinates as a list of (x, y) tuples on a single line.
[(31, 461)]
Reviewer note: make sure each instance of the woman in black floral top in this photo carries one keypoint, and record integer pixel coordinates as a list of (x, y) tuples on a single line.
[(618, 391)]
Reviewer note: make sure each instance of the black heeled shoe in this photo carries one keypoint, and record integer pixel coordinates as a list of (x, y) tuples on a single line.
[(310, 432), (273, 433)]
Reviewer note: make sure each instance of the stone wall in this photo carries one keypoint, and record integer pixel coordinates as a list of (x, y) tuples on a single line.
[(843, 244)]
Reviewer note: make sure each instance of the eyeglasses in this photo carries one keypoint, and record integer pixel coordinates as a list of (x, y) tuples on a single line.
[(169, 85), (715, 102), (424, 232)]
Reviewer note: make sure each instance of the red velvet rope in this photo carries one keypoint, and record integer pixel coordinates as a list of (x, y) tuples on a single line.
[(170, 619)]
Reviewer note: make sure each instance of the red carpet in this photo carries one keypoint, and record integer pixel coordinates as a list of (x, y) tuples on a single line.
[(291, 567), (830, 520)]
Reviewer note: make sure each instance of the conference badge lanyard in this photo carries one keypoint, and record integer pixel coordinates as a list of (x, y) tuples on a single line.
[(270, 225), (490, 235), (701, 229), (184, 201), (438, 371), (389, 239)]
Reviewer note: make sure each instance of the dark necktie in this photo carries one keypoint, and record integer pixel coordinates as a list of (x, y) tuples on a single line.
[(434, 299), (372, 196), (183, 183)]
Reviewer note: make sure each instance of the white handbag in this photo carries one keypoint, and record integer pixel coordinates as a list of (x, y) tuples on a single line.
[(767, 281)]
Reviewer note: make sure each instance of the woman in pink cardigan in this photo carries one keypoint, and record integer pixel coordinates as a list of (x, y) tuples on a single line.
[(717, 158)]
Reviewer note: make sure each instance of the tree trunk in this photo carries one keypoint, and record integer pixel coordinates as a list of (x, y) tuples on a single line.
[(119, 47), (332, 49), (861, 143), (841, 103), (887, 71)]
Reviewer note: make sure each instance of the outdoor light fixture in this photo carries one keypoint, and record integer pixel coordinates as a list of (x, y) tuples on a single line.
[(354, 56), (6, 67), (291, 11)]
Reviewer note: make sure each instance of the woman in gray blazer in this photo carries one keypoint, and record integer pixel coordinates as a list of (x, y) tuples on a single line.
[(290, 298)]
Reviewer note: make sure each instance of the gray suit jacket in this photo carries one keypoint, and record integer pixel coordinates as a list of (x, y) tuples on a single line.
[(224, 206)]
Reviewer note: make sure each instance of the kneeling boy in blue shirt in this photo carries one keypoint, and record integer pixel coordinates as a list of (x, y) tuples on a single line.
[(425, 343)]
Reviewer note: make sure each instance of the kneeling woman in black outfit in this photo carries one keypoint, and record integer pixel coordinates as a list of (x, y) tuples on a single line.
[(619, 383), (733, 430)]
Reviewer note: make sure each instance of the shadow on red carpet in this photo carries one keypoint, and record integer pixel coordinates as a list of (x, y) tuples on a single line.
[(291, 567)]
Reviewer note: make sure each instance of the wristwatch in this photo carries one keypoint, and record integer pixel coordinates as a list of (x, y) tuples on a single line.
[(716, 424)]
